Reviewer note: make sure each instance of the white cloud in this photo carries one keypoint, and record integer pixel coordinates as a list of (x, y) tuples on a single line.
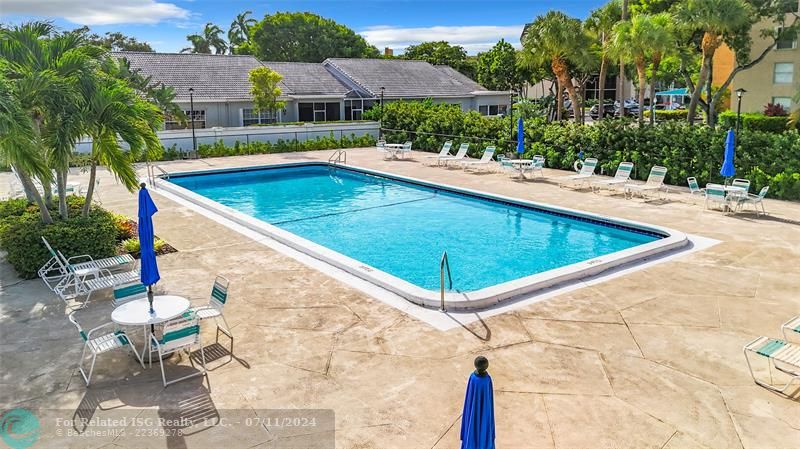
[(474, 39), (96, 12)]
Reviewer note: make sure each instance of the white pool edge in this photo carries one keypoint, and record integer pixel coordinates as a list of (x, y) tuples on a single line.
[(470, 301)]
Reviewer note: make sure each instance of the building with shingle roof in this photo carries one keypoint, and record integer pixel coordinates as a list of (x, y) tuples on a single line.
[(336, 89)]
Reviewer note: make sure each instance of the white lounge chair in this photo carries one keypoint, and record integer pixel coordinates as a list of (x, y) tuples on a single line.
[(755, 200), (791, 327), (58, 268), (216, 303), (444, 152), (484, 161), (179, 334), (783, 356), (460, 154), (694, 187), (622, 176), (96, 344), (715, 194), (587, 171), (654, 183)]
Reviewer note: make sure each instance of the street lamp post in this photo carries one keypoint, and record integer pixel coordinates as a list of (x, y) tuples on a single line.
[(380, 127), (739, 93), (191, 114), (511, 116)]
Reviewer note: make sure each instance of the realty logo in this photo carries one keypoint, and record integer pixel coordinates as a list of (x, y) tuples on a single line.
[(19, 428)]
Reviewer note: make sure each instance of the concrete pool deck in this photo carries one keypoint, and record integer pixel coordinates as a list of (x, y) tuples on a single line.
[(650, 359)]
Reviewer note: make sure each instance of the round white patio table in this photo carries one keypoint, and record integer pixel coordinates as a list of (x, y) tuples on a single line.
[(394, 149), (520, 163), (137, 313)]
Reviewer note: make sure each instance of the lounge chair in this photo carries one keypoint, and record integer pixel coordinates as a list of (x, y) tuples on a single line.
[(784, 357), (444, 152), (587, 171), (715, 194), (484, 161), (179, 334), (755, 200), (654, 183), (214, 308), (694, 187), (59, 267), (460, 154), (791, 327), (96, 344), (622, 176)]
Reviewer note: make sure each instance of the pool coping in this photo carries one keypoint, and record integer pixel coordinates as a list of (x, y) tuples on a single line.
[(456, 301)]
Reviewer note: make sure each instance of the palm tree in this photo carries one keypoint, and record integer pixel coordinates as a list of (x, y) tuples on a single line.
[(715, 19), (239, 31), (559, 40), (631, 43), (662, 43), (44, 69), (601, 24), (202, 43), (115, 112)]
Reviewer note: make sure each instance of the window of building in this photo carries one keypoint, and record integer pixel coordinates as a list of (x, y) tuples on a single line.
[(251, 117), (787, 41), (318, 112), (493, 109), (199, 121), (784, 72), (354, 109), (786, 102)]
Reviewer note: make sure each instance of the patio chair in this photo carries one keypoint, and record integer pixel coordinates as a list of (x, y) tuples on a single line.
[(654, 183), (587, 171), (406, 149), (755, 200), (622, 176), (484, 161), (129, 292), (179, 334), (715, 193), (536, 166), (95, 343), (216, 302), (791, 327), (460, 154), (743, 183), (445, 151), (694, 187), (784, 357), (380, 145)]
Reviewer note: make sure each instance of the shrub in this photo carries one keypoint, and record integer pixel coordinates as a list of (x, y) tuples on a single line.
[(754, 122), (219, 149), (20, 237), (665, 114), (132, 246), (126, 228), (775, 110), (13, 207)]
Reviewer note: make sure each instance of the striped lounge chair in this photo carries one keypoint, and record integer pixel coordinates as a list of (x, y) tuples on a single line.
[(784, 357), (791, 327)]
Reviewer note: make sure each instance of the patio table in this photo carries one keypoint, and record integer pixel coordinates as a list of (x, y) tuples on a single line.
[(394, 149), (137, 313), (734, 192), (520, 163)]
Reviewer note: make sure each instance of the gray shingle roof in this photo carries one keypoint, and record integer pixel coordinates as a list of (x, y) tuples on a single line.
[(213, 77), (305, 78), (404, 78)]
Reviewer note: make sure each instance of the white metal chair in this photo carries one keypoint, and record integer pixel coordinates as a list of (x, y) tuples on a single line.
[(587, 171), (96, 343), (484, 161), (380, 145), (715, 194), (654, 183), (694, 187), (622, 176), (129, 292), (214, 308), (755, 200), (784, 357), (179, 334), (791, 327), (58, 267), (406, 150), (460, 154), (445, 151), (742, 183)]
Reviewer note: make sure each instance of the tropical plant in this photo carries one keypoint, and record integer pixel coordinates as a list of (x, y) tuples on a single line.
[(600, 24), (631, 43), (239, 32), (264, 88), (497, 69), (115, 41), (442, 53), (203, 43), (662, 43), (559, 40)]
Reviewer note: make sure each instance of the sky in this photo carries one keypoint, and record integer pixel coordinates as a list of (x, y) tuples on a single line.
[(475, 25)]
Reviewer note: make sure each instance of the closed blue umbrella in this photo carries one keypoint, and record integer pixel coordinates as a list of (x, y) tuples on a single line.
[(520, 136), (477, 419), (149, 268), (728, 170)]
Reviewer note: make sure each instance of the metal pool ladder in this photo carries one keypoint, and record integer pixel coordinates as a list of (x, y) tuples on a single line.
[(339, 156), (444, 263), (151, 173)]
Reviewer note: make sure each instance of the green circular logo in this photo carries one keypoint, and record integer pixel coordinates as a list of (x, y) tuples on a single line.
[(19, 428)]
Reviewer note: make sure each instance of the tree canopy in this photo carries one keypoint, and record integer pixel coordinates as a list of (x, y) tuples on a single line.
[(497, 69), (442, 53), (306, 37), (114, 41), (265, 89)]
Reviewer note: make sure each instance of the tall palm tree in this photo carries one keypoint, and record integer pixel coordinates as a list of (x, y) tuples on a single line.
[(239, 31), (716, 19), (211, 38), (662, 43), (114, 111), (559, 40), (601, 23), (631, 43), (44, 68)]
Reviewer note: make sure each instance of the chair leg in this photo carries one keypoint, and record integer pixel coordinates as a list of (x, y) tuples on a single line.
[(161, 363)]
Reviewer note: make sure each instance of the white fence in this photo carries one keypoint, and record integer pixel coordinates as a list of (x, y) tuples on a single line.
[(182, 139)]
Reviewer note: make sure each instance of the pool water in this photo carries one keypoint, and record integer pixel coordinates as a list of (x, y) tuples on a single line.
[(402, 228)]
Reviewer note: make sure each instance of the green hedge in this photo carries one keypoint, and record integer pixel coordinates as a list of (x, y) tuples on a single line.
[(22, 230), (754, 122), (664, 114), (766, 158)]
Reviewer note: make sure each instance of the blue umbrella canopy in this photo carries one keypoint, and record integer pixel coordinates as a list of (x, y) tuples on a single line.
[(520, 136), (149, 269), (728, 170), (477, 419)]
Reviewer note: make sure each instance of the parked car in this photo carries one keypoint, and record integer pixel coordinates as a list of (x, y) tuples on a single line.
[(608, 111)]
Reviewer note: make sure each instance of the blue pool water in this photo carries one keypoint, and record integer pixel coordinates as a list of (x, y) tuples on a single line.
[(402, 228)]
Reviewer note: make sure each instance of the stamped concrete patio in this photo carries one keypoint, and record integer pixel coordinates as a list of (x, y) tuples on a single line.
[(652, 359)]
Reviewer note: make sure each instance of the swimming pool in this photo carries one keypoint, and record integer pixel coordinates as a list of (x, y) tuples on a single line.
[(393, 230)]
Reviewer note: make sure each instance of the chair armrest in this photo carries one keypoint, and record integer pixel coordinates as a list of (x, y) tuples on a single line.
[(86, 256), (102, 326)]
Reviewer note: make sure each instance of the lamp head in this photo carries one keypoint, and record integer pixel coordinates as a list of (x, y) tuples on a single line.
[(740, 92), (191, 89)]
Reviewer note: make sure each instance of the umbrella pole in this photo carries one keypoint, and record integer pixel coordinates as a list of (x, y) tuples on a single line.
[(150, 298)]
